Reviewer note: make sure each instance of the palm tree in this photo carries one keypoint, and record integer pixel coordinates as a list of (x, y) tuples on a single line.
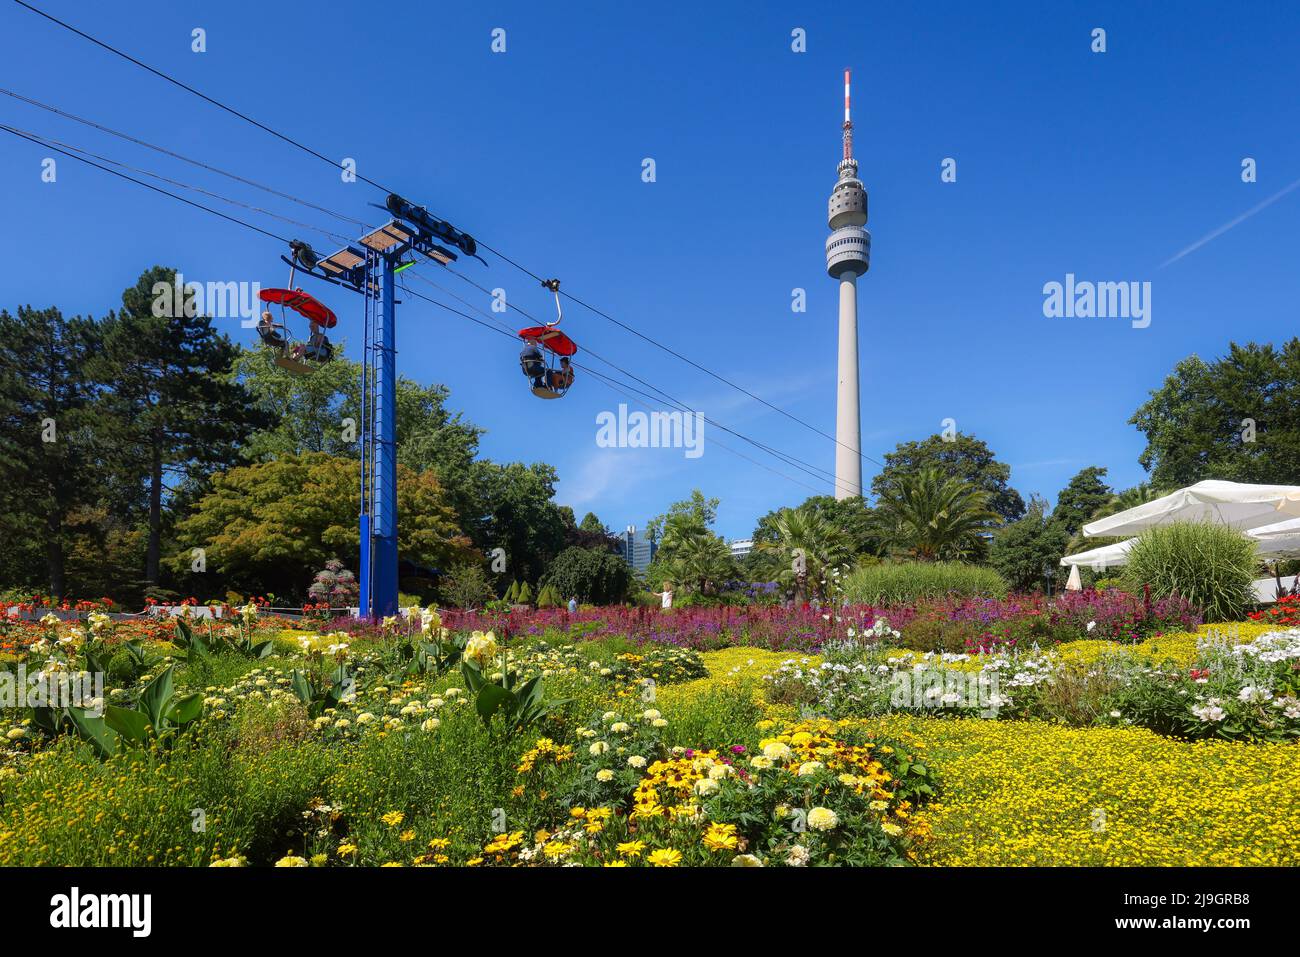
[(933, 517), (823, 545), (693, 555)]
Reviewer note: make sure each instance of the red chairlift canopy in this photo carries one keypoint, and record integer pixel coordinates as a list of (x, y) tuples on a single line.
[(302, 303), (548, 338)]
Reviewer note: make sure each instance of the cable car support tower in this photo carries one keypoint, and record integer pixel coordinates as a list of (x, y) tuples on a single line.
[(370, 267)]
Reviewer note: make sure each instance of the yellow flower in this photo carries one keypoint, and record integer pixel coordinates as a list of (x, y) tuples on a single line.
[(393, 818), (720, 837), (631, 848), (290, 861), (406, 837), (665, 857), (481, 647)]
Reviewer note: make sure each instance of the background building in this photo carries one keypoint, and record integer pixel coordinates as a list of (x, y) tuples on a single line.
[(637, 550)]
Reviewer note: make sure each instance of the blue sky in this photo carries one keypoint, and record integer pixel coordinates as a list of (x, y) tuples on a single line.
[(1102, 165)]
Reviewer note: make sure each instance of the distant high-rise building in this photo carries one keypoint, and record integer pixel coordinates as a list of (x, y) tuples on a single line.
[(848, 254), (637, 550)]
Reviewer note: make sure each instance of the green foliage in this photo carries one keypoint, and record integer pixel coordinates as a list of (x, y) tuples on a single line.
[(1235, 418), (1211, 566), (1027, 550), (519, 703), (960, 456), (512, 593), (851, 516), (525, 594), (159, 717), (807, 538), (270, 525), (1081, 498), (930, 515), (468, 586), (905, 583), (595, 576)]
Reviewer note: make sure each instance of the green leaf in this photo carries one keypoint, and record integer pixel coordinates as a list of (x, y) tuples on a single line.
[(490, 700), (132, 726), (186, 709), (301, 687), (154, 698), (94, 729)]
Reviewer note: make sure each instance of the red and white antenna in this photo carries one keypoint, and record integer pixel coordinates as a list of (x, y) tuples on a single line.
[(848, 123)]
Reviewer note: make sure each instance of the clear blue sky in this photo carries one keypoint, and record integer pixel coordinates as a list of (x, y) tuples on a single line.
[(1103, 165)]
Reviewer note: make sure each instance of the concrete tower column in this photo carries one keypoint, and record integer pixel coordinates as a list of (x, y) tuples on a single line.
[(848, 256), (848, 429)]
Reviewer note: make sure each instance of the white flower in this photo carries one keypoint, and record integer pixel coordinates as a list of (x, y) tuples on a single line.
[(706, 786), (1251, 694), (597, 748), (604, 775), (636, 761), (620, 727), (430, 724), (798, 856)]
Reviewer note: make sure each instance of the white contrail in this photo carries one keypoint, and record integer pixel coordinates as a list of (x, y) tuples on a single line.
[(1228, 225)]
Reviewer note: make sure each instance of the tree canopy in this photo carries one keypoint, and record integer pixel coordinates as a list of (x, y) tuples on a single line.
[(1235, 418), (962, 457)]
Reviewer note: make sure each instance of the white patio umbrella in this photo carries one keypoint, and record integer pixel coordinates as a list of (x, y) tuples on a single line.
[(1234, 504), (1101, 558), (1074, 583)]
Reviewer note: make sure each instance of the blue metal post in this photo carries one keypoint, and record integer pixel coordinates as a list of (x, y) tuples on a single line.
[(383, 556)]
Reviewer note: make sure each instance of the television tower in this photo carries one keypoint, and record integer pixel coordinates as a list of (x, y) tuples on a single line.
[(848, 256)]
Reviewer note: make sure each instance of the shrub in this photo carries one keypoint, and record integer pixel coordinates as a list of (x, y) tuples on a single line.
[(907, 582), (595, 576), (1210, 565)]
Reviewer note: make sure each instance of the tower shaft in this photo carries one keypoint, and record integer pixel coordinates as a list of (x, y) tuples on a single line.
[(848, 429)]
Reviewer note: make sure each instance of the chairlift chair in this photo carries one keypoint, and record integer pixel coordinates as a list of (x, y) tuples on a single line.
[(544, 349)]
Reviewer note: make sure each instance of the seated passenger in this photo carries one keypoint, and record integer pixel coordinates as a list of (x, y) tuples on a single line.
[(268, 333), (530, 360), (561, 378)]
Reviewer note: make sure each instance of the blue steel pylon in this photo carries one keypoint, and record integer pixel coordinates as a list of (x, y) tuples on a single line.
[(413, 229)]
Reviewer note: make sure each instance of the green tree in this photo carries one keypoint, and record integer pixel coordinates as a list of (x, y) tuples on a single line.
[(697, 508), (1081, 498), (512, 507), (850, 515), (467, 586), (173, 408), (594, 575), (808, 532), (1025, 551), (1235, 418), (50, 456), (929, 516), (269, 525), (965, 458)]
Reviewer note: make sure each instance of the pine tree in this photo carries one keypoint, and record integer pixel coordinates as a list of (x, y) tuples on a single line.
[(512, 593), (47, 445), (525, 595), (175, 409)]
